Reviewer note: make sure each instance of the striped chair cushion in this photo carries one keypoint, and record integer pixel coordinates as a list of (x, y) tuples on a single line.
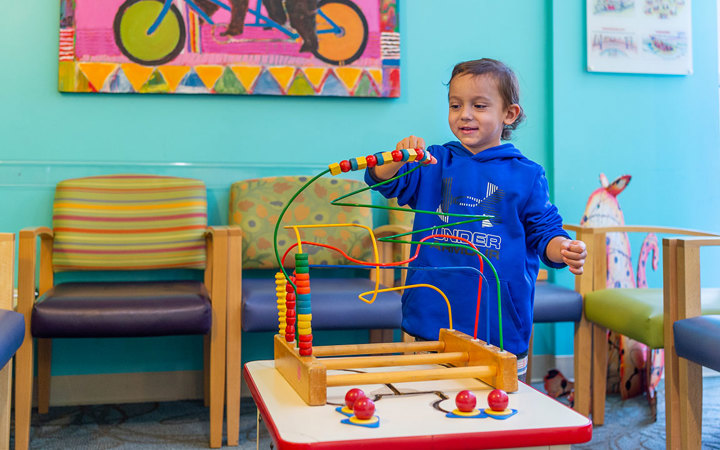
[(129, 222)]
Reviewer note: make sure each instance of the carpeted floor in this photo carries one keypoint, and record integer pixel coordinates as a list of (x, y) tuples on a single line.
[(184, 425)]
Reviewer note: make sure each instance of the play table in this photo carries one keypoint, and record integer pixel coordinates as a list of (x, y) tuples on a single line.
[(412, 416)]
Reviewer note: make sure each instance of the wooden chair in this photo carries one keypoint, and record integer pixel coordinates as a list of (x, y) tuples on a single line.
[(635, 313), (692, 339), (12, 332), (255, 205), (124, 223)]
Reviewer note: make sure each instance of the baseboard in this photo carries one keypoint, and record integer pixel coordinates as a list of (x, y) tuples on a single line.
[(542, 363), (126, 388)]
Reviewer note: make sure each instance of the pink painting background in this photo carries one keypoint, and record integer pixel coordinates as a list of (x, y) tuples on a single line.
[(95, 41)]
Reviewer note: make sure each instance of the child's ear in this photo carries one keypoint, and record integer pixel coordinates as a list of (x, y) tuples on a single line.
[(513, 112)]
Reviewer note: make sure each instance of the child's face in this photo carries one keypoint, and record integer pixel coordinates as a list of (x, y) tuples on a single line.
[(477, 112)]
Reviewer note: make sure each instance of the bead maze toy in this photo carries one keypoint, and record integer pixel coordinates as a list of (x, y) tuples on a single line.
[(306, 367)]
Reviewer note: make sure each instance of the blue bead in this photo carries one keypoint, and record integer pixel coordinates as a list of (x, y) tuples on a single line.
[(353, 164)]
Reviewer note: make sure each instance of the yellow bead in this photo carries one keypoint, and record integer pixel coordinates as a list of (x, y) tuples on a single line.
[(361, 163), (412, 153), (335, 169)]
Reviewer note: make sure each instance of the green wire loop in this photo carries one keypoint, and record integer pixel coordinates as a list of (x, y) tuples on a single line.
[(336, 202)]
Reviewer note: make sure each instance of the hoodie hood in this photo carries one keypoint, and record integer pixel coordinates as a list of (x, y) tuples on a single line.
[(502, 151)]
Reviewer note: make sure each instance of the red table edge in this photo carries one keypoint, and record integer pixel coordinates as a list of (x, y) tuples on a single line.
[(483, 440)]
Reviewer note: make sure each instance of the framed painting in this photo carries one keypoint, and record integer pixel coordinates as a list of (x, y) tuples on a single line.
[(347, 48)]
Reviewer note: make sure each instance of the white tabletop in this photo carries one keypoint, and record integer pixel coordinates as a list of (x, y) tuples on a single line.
[(411, 416)]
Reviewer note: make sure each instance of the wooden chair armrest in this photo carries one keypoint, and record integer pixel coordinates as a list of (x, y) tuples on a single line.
[(682, 275), (7, 263), (28, 264), (639, 229)]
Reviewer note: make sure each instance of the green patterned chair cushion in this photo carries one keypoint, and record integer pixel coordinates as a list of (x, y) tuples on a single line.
[(256, 204), (400, 217), (642, 311), (129, 222)]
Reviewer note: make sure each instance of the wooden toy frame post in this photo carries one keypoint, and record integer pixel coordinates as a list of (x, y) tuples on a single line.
[(468, 357)]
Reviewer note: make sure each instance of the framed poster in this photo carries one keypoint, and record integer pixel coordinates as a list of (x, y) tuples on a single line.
[(269, 47), (639, 36)]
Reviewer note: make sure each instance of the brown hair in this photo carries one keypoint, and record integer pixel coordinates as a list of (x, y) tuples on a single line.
[(506, 80)]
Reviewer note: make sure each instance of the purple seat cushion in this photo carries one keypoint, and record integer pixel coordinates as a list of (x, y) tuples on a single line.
[(698, 340), (12, 333), (556, 303), (122, 309), (335, 305)]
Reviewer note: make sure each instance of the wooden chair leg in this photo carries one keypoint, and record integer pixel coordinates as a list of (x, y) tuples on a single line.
[(206, 370), (690, 390), (234, 342), (44, 350), (5, 395), (599, 377), (528, 373), (582, 362), (23, 392)]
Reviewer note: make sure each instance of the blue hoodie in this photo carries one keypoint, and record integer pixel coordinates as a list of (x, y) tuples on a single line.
[(498, 181)]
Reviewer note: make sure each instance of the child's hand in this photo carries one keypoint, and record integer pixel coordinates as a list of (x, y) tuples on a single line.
[(411, 142), (573, 254)]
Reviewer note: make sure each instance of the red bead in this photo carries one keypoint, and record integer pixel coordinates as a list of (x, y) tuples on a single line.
[(290, 329), (420, 154), (305, 352), (304, 345), (289, 289), (371, 160), (363, 408), (345, 165), (306, 338), (290, 320), (352, 395), (465, 401), (289, 337), (397, 155), (498, 400), (290, 313)]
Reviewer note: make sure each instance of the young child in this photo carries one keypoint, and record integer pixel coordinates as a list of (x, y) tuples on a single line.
[(479, 175)]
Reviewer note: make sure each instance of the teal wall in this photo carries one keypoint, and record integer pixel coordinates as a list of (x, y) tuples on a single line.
[(576, 126), (662, 130)]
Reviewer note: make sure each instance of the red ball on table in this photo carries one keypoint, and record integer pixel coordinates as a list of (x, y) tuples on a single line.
[(352, 395), (465, 401), (363, 408), (498, 400)]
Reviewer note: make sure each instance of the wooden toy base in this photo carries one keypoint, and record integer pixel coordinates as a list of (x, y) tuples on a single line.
[(469, 358)]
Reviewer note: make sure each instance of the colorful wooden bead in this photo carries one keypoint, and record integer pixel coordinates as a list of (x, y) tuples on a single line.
[(465, 401), (361, 163), (420, 154), (371, 160), (345, 165), (413, 154), (352, 395), (380, 158), (405, 155), (334, 169), (353, 164), (498, 400), (396, 155)]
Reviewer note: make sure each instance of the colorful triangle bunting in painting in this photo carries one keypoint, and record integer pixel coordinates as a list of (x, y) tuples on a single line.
[(136, 74), (192, 84), (349, 76), (377, 76), (229, 84), (119, 83), (283, 75), (301, 86), (97, 73), (267, 84), (333, 86), (209, 74), (156, 84), (366, 88), (173, 75), (315, 75), (247, 75)]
